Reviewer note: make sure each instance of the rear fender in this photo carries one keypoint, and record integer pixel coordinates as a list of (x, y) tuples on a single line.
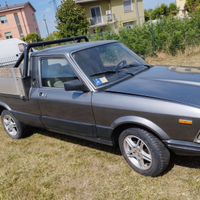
[(2, 104)]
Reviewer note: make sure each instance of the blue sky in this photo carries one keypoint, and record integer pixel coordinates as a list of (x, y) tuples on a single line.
[(47, 8)]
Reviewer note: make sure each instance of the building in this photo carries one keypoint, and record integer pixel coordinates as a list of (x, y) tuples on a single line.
[(17, 21), (115, 12), (181, 5)]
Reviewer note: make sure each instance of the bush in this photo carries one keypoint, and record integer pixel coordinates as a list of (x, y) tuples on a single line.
[(170, 35)]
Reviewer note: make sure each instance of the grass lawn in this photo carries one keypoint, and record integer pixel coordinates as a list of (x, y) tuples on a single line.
[(47, 165)]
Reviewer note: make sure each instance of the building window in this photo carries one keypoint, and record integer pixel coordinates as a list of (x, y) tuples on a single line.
[(33, 17), (3, 19), (37, 31), (8, 35), (96, 15), (18, 24), (128, 24), (127, 6)]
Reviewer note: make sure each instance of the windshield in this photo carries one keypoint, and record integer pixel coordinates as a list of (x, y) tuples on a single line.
[(108, 63)]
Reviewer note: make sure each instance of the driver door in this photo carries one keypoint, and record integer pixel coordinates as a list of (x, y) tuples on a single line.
[(63, 111)]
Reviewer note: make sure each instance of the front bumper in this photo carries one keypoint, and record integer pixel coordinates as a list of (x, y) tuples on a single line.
[(185, 148)]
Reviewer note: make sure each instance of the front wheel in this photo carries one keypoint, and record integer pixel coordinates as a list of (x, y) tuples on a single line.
[(11, 125), (145, 153)]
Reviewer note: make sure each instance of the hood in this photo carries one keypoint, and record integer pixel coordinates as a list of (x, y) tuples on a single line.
[(173, 83)]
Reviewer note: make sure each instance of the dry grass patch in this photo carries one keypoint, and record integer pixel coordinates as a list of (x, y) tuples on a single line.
[(51, 166), (191, 57)]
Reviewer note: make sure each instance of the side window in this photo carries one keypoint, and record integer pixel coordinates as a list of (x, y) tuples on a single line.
[(54, 72)]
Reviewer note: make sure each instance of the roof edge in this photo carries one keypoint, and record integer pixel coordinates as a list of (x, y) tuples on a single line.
[(18, 7)]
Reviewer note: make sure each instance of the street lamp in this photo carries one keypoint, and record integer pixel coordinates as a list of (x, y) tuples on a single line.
[(55, 5), (45, 21)]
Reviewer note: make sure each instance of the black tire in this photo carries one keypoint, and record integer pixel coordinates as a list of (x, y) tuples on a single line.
[(11, 125), (144, 152)]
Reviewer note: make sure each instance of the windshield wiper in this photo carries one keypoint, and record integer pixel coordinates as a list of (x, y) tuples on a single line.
[(116, 71), (104, 72), (133, 65)]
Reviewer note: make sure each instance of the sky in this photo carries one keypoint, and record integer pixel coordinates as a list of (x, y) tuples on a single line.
[(46, 7)]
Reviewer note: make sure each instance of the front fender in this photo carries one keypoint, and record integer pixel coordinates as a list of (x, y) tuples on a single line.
[(142, 122)]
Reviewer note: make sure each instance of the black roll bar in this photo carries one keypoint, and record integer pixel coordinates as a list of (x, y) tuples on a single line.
[(25, 54)]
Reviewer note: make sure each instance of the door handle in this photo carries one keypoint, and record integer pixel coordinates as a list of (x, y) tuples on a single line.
[(43, 94)]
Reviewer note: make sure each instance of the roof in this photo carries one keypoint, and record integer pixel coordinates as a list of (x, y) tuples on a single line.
[(10, 41), (70, 48), (16, 6), (84, 1)]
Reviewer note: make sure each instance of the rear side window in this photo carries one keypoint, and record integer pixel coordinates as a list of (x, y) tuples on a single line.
[(54, 72)]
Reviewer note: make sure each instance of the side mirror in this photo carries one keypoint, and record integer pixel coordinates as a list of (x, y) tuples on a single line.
[(75, 85), (22, 47), (142, 57)]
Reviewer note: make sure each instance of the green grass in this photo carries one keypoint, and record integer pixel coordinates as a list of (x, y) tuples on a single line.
[(51, 166), (47, 165)]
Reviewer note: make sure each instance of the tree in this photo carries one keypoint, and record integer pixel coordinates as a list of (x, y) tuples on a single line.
[(173, 8), (71, 19), (52, 36), (156, 13), (194, 3), (32, 37), (161, 11), (164, 10), (146, 15)]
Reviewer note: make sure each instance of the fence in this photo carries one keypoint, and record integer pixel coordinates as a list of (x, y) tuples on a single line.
[(8, 60)]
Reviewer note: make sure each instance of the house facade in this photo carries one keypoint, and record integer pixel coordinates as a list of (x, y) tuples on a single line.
[(118, 13), (181, 5), (17, 21)]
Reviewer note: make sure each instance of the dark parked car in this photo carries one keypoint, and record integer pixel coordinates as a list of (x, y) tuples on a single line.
[(103, 92)]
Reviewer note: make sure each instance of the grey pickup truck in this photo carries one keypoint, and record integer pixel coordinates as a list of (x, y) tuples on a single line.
[(103, 92)]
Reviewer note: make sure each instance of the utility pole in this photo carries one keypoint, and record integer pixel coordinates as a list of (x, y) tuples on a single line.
[(55, 6), (137, 13), (45, 21)]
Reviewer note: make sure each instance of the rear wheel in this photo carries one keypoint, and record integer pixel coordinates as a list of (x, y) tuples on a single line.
[(145, 153), (11, 125)]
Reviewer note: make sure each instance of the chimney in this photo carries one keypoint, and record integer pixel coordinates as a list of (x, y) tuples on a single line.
[(6, 4)]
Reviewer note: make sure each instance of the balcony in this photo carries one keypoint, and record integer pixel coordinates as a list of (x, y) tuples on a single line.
[(102, 20)]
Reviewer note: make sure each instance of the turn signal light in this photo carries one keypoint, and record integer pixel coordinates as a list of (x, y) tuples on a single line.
[(183, 121)]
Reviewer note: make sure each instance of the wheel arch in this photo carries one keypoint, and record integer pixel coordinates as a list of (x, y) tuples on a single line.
[(123, 123), (3, 106)]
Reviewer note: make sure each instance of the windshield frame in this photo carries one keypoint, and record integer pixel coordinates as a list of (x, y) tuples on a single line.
[(140, 60)]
